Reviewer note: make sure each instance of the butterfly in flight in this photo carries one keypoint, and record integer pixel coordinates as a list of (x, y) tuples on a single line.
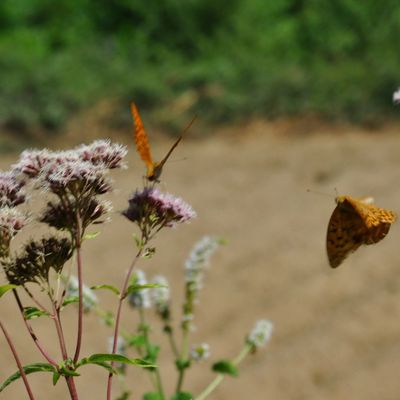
[(355, 222), (154, 169)]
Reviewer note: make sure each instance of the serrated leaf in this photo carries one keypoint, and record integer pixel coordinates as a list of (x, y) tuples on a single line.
[(108, 287), (28, 369), (70, 300), (225, 367), (153, 396), (5, 288), (182, 396), (33, 312), (92, 235)]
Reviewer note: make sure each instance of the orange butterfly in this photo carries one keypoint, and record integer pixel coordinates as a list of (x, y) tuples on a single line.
[(355, 222), (154, 169)]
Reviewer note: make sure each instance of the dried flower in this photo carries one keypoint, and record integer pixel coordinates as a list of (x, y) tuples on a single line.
[(103, 152), (153, 210), (396, 96), (63, 217), (140, 298), (89, 298), (38, 258), (11, 190), (200, 352), (261, 333)]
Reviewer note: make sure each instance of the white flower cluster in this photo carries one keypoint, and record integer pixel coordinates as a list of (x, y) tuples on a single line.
[(261, 333), (89, 298)]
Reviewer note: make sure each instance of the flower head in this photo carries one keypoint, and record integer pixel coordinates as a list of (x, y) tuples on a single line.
[(11, 190), (200, 352), (32, 162), (38, 259), (153, 210), (11, 221), (75, 176), (140, 298), (261, 333), (103, 152)]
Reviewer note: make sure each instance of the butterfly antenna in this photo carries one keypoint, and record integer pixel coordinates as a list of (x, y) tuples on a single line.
[(318, 192), (164, 160)]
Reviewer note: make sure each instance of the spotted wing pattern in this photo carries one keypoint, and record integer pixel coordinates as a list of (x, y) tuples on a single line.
[(142, 141), (353, 223)]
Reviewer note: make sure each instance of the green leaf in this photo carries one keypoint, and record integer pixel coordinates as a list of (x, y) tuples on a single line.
[(56, 377), (135, 340), (181, 365), (225, 367), (92, 235), (138, 241), (5, 288), (136, 288), (182, 396), (153, 396), (29, 369), (149, 253), (105, 357), (70, 300), (33, 312), (124, 395), (108, 287)]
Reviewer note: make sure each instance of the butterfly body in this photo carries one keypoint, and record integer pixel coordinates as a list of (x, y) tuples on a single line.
[(154, 169), (355, 222)]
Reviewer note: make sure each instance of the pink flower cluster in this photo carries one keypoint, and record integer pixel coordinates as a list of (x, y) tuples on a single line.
[(152, 209), (11, 190)]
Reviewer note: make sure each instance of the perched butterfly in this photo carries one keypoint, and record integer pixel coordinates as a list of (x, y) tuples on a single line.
[(355, 222), (154, 169)]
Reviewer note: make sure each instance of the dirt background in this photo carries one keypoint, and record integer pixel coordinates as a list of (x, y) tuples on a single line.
[(336, 331)]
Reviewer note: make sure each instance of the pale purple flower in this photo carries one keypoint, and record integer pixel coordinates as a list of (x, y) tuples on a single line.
[(11, 190), (152, 209), (261, 333), (76, 176), (396, 96), (32, 162), (103, 152), (11, 221)]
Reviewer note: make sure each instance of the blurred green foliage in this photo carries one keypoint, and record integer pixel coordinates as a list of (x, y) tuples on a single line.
[(223, 59)]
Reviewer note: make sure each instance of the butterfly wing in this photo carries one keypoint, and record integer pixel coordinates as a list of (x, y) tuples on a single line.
[(141, 140), (345, 234)]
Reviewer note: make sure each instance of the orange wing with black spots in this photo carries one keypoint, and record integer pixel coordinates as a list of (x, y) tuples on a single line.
[(353, 223)]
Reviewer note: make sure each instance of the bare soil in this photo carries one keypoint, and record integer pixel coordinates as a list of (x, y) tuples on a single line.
[(337, 332)]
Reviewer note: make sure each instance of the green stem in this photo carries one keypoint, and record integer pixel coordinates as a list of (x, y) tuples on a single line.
[(220, 377), (157, 382)]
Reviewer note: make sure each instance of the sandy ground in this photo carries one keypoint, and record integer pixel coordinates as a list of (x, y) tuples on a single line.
[(336, 331)]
